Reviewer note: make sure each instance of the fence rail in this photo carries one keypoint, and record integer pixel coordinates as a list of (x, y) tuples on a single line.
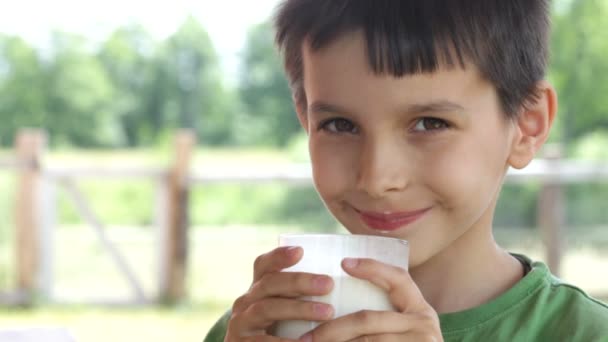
[(539, 170), (292, 174), (38, 183), (88, 172), (14, 164), (560, 172)]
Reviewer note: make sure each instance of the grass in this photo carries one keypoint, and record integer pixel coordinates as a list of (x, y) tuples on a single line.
[(102, 324), (6, 208)]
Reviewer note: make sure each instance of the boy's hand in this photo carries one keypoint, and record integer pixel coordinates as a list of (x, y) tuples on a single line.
[(415, 319), (272, 297)]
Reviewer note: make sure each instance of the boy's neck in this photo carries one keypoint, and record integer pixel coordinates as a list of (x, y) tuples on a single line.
[(473, 280)]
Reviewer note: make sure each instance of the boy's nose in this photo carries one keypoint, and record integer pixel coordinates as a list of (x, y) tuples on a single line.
[(382, 169)]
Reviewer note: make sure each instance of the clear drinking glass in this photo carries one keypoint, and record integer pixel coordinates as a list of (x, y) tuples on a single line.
[(323, 254)]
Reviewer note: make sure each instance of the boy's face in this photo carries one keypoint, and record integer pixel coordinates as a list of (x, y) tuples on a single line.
[(419, 157)]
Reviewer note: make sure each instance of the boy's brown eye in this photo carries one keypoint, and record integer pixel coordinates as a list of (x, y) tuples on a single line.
[(430, 124), (343, 125), (339, 125)]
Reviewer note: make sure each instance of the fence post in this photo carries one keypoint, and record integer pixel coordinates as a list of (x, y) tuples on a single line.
[(175, 238), (551, 213), (29, 147)]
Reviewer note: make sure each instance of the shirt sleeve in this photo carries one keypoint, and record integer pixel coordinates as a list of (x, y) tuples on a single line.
[(218, 331)]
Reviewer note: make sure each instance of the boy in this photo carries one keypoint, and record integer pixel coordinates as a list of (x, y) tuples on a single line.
[(414, 111)]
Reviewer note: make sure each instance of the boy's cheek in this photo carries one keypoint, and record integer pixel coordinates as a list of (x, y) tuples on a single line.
[(333, 166), (329, 183)]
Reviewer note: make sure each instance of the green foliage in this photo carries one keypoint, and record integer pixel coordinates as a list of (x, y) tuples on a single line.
[(236, 204), (579, 68), (586, 201), (129, 60), (67, 93), (586, 204), (259, 204), (516, 205), (592, 146), (78, 93), (22, 88), (269, 117), (195, 95), (297, 148), (132, 204), (129, 91), (304, 208), (114, 202)]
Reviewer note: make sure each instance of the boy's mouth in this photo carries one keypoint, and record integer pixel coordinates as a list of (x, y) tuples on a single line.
[(390, 221)]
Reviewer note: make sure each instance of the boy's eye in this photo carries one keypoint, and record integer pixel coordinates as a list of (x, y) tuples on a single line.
[(339, 125), (430, 124)]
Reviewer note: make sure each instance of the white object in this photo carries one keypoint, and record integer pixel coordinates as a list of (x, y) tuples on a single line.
[(35, 335), (323, 254)]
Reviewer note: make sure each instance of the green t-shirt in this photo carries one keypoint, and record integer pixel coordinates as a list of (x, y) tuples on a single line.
[(540, 307)]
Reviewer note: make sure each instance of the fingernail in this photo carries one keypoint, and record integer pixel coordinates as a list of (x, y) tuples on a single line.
[(322, 310), (291, 251), (320, 282), (306, 338), (351, 262)]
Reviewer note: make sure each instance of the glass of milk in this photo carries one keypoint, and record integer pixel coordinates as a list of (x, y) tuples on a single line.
[(323, 254)]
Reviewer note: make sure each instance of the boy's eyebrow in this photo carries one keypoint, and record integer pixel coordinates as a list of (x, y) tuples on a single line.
[(323, 107), (440, 106)]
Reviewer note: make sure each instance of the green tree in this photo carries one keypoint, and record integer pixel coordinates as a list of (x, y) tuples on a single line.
[(128, 57), (192, 87), (79, 94), (22, 90), (579, 67), (269, 117)]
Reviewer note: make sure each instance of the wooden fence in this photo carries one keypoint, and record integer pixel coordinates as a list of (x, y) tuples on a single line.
[(37, 185), (35, 215)]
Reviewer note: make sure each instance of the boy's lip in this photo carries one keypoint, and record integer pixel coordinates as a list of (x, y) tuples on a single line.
[(390, 221)]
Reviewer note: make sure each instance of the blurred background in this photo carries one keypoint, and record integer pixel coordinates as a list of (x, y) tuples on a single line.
[(149, 151)]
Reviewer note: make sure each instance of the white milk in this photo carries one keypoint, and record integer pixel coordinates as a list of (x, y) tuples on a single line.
[(348, 296)]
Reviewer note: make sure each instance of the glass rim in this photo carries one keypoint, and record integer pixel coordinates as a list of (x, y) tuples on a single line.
[(347, 236)]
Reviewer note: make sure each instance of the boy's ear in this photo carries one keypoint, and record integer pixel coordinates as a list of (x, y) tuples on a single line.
[(533, 125), (301, 111)]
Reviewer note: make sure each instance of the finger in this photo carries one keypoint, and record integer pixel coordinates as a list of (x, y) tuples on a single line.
[(291, 284), (397, 282), (260, 316), (265, 338), (256, 338), (367, 323), (385, 338), (285, 284), (264, 313), (413, 337), (276, 260)]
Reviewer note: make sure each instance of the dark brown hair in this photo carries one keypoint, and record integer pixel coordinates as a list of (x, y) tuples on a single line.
[(507, 40)]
